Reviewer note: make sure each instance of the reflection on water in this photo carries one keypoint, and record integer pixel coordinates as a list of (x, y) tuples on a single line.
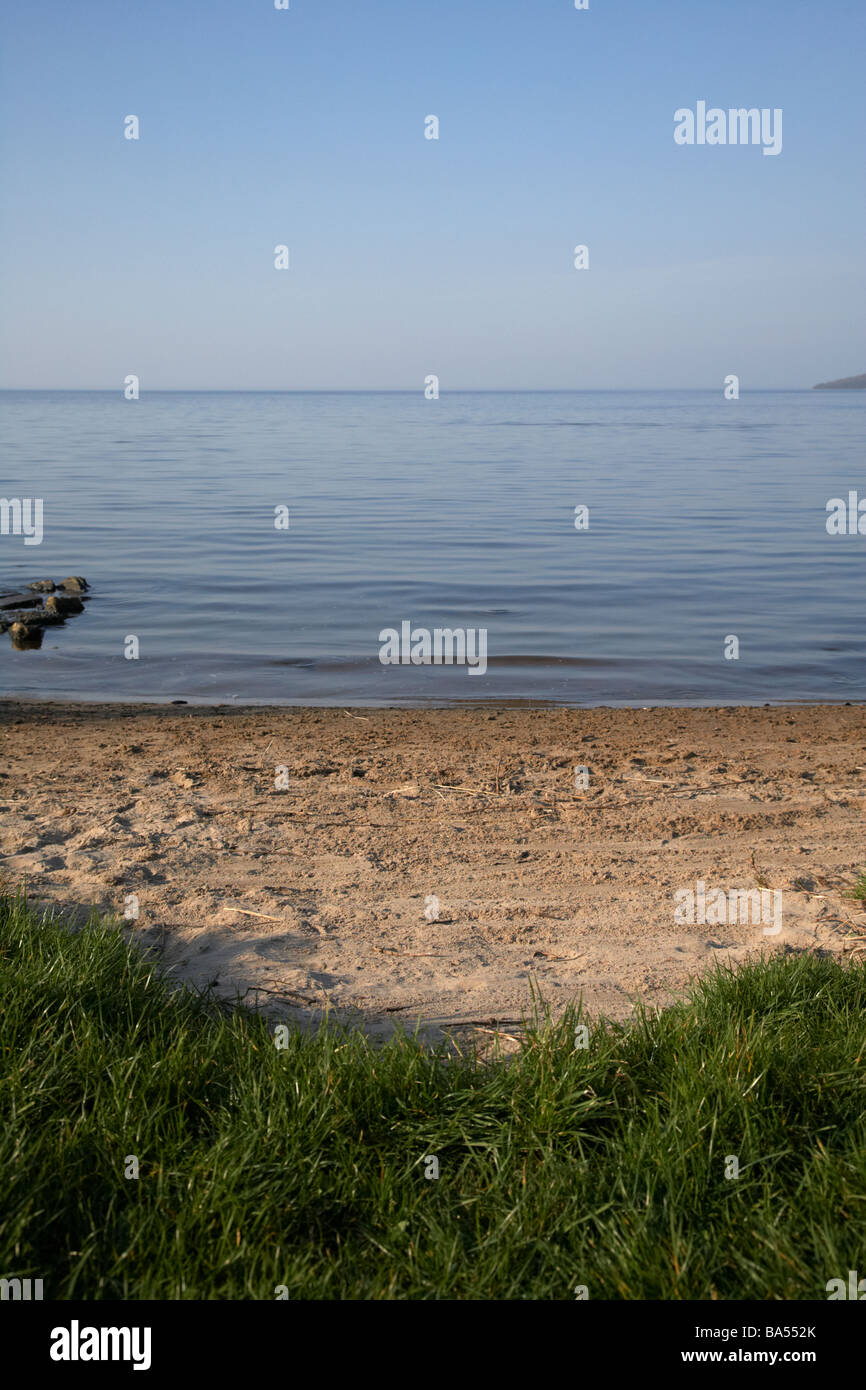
[(706, 519)]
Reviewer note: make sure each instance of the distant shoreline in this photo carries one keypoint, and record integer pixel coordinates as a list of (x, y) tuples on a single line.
[(845, 383)]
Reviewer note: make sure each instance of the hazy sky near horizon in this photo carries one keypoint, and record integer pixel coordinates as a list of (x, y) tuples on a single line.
[(411, 256)]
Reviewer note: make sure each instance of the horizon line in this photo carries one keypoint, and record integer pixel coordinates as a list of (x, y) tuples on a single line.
[(392, 390)]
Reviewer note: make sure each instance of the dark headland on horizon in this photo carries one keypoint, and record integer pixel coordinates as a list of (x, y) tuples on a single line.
[(845, 383)]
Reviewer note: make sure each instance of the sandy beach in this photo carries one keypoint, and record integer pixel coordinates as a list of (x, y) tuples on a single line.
[(289, 855)]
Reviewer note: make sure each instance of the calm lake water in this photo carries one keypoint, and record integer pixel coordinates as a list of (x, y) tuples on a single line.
[(706, 520)]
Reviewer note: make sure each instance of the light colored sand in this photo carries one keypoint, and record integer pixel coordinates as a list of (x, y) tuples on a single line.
[(536, 882)]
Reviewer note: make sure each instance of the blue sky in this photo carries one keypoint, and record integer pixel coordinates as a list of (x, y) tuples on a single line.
[(412, 256)]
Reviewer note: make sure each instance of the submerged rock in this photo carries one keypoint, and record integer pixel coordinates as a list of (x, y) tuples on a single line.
[(33, 617), (24, 614), (19, 601), (24, 636), (63, 604)]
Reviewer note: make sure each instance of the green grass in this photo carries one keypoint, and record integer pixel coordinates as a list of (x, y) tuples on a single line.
[(603, 1167), (859, 889)]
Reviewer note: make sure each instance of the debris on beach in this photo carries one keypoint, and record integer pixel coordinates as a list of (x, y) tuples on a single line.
[(24, 614)]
